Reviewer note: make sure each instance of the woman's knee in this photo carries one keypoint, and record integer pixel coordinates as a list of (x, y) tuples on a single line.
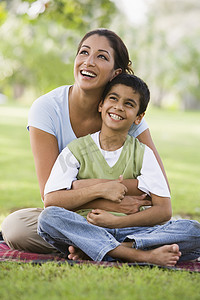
[(19, 227)]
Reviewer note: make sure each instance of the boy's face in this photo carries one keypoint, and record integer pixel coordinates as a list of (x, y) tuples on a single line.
[(120, 107)]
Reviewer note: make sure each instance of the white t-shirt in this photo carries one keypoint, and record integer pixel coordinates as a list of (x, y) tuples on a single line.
[(50, 113), (66, 167)]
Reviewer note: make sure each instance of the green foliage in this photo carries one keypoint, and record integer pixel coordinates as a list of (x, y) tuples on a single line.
[(3, 12), (37, 50), (165, 51), (78, 14)]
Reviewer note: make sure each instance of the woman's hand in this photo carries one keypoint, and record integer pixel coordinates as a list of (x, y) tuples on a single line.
[(132, 204), (102, 218)]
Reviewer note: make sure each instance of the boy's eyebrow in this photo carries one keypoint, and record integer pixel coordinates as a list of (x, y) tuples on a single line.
[(129, 99), (100, 50)]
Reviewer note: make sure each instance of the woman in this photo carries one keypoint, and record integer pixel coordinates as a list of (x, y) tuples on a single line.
[(69, 112)]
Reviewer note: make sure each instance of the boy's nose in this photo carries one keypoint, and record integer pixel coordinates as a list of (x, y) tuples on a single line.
[(119, 106)]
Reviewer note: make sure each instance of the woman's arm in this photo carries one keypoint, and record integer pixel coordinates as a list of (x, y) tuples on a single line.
[(145, 138), (160, 212), (45, 151)]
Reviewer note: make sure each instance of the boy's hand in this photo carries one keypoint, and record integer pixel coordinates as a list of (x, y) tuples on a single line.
[(102, 218), (113, 190)]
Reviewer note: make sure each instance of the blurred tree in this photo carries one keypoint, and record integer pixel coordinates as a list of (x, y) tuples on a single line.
[(165, 51), (172, 53), (39, 41)]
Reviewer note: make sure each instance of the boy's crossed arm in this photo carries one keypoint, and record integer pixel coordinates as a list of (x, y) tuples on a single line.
[(159, 212)]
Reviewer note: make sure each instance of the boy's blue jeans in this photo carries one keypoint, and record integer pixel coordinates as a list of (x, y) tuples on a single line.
[(61, 228)]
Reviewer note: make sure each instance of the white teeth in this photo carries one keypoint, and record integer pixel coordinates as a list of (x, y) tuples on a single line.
[(88, 73), (116, 117)]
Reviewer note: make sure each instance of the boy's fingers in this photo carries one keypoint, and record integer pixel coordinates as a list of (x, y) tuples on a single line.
[(96, 211), (120, 179)]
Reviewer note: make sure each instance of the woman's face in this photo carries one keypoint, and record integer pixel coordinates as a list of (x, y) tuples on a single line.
[(94, 63)]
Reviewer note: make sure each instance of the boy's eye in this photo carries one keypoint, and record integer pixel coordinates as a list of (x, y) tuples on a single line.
[(129, 104)]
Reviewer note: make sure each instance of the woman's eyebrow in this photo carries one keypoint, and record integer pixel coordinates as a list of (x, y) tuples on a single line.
[(100, 50)]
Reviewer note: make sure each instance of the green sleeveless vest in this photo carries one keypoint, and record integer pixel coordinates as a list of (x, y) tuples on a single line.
[(94, 165)]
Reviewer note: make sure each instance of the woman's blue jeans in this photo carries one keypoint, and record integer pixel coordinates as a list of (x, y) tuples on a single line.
[(61, 228)]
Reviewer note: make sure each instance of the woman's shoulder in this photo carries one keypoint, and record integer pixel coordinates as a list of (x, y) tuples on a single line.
[(58, 95), (47, 112), (136, 130)]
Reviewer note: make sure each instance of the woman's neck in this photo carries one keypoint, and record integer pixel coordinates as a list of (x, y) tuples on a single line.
[(84, 102), (83, 111), (111, 140)]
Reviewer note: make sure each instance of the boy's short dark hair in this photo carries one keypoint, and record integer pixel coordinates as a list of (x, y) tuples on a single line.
[(137, 84)]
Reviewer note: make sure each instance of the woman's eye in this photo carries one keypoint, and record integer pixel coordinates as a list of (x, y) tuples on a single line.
[(113, 98), (102, 56), (83, 52)]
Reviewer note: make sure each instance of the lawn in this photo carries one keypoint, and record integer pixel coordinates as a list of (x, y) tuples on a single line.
[(176, 135)]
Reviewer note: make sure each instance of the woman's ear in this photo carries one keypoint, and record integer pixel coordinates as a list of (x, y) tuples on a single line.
[(100, 106), (139, 118), (115, 73)]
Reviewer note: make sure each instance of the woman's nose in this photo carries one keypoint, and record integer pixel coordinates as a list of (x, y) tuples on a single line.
[(90, 61)]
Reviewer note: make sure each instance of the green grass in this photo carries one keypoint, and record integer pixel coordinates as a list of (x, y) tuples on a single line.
[(177, 138), (176, 135), (18, 281)]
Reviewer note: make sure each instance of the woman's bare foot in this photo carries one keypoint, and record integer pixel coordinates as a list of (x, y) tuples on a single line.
[(77, 254), (167, 255)]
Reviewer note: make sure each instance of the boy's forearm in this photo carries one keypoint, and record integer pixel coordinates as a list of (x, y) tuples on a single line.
[(81, 183), (152, 216), (71, 199), (131, 184)]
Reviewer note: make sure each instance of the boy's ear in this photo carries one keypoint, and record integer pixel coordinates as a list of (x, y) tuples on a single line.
[(100, 106), (115, 73), (139, 118)]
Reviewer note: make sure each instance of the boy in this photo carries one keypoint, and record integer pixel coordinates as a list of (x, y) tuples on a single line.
[(105, 156)]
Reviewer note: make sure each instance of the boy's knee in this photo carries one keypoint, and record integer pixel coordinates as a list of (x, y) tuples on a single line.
[(48, 217)]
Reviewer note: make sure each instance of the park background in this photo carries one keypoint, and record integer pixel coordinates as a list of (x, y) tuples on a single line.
[(38, 42)]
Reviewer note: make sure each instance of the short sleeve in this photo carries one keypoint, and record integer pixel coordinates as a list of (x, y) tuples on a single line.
[(136, 130), (152, 180), (63, 173), (42, 115)]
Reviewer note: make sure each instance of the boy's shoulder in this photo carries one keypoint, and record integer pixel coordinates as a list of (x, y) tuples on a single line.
[(80, 140), (131, 139)]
